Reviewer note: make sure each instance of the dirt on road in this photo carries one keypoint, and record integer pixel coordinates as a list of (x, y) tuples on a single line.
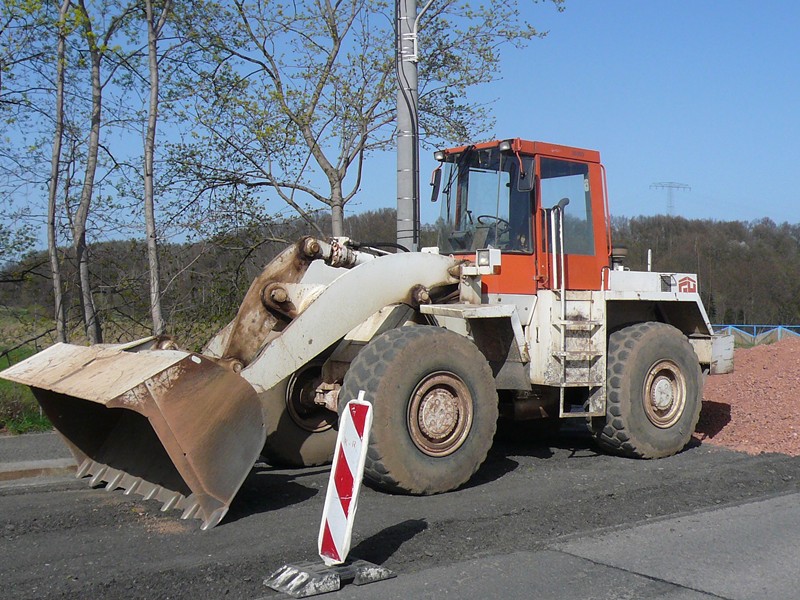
[(754, 409)]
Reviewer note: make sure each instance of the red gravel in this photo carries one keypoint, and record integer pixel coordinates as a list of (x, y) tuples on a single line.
[(755, 408)]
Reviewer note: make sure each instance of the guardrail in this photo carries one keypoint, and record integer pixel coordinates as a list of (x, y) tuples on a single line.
[(751, 335)]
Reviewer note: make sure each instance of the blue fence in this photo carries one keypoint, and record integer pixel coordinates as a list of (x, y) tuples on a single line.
[(758, 334)]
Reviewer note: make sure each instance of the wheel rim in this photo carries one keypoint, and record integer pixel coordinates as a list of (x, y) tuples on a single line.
[(664, 394), (440, 414), (300, 400)]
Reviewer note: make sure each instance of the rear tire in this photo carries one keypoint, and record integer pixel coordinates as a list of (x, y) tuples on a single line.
[(299, 432), (654, 392), (435, 408)]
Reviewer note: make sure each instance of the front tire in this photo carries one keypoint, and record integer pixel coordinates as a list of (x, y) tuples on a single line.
[(654, 392), (434, 408)]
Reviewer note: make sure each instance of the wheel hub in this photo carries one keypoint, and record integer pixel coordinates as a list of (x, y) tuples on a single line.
[(300, 400), (664, 394), (440, 414)]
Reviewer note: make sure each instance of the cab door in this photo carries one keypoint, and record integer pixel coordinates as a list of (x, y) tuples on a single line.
[(584, 223)]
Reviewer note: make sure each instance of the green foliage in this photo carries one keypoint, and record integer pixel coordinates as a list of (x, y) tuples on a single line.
[(12, 356), (204, 283)]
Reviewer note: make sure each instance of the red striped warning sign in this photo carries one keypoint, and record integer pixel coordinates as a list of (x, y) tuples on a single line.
[(345, 481)]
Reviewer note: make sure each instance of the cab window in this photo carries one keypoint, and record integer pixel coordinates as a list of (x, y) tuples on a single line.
[(561, 179)]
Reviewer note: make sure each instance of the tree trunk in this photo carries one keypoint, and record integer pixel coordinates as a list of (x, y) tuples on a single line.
[(55, 163), (94, 332), (153, 33), (337, 220), (92, 326), (336, 204)]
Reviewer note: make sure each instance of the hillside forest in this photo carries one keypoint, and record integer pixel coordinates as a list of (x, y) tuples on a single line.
[(749, 274)]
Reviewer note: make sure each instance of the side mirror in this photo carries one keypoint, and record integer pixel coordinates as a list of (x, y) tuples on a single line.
[(436, 183), (525, 181)]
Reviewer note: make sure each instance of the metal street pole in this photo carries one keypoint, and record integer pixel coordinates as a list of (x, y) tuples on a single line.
[(407, 127)]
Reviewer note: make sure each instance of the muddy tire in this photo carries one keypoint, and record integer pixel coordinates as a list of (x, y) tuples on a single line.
[(435, 409), (299, 432), (654, 392)]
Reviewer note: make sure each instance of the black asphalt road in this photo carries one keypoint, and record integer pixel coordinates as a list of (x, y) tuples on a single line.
[(577, 523)]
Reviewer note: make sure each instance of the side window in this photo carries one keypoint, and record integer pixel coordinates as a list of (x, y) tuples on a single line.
[(564, 179)]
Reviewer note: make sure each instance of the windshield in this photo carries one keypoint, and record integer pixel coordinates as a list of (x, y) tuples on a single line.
[(482, 204)]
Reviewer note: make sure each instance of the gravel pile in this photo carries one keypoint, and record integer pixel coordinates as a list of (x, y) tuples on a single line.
[(755, 408)]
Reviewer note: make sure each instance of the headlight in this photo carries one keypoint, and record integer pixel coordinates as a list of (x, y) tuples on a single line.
[(487, 261)]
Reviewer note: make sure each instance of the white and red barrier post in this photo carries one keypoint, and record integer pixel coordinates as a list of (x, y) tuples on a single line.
[(347, 472)]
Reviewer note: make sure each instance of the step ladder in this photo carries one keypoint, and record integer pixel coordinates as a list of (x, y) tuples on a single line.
[(581, 357), (582, 363)]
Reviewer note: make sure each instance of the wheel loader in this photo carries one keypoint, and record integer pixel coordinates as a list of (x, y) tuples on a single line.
[(525, 310)]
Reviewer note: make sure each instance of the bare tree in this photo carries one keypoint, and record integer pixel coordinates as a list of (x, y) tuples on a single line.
[(97, 46), (55, 166), (155, 26), (296, 94)]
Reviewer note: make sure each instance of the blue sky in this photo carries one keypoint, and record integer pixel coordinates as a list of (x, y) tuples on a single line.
[(705, 93)]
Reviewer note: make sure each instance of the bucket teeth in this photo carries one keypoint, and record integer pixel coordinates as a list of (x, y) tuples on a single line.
[(130, 484), (113, 482), (192, 509), (172, 501), (98, 476), (151, 491), (214, 518), (84, 469)]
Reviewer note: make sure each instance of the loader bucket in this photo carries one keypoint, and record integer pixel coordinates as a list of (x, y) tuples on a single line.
[(166, 424)]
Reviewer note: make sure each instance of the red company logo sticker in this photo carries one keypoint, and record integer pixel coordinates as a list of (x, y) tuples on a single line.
[(687, 285)]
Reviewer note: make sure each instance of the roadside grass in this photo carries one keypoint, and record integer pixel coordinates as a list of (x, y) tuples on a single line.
[(19, 411), (23, 332)]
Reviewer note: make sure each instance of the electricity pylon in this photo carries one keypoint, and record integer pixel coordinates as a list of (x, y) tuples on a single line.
[(670, 186)]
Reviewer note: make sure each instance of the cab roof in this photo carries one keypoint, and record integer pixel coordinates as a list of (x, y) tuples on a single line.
[(541, 148)]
